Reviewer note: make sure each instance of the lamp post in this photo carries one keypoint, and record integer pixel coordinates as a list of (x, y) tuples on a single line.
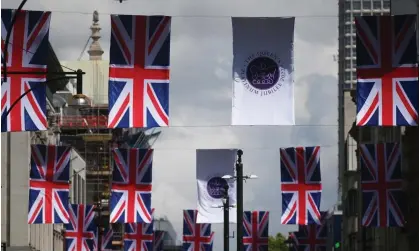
[(226, 208), (239, 174), (98, 224), (239, 179), (79, 98), (289, 242)]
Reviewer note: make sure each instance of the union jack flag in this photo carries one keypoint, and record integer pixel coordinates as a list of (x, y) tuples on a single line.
[(256, 230), (301, 185), (196, 237), (138, 237), (106, 242), (293, 244), (139, 71), (81, 232), (158, 240), (384, 202), (27, 48), (387, 71), (131, 185), (49, 184), (312, 237)]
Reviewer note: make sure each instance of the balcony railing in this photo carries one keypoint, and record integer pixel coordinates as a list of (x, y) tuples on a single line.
[(86, 122)]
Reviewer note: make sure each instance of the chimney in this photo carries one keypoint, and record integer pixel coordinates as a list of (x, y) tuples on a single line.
[(95, 50)]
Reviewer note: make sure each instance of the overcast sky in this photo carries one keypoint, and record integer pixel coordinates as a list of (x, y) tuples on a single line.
[(201, 85)]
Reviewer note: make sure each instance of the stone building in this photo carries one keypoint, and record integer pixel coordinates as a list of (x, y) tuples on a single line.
[(355, 237)]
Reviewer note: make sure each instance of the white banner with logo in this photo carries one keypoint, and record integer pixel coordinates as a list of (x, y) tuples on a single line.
[(403, 7), (211, 165), (263, 82)]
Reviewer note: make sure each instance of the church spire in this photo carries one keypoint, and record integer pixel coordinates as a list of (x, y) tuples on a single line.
[(95, 50)]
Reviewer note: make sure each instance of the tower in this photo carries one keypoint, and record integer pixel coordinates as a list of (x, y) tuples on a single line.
[(95, 50)]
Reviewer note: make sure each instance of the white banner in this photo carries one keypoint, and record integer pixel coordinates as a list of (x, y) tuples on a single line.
[(263, 82), (403, 7), (211, 165)]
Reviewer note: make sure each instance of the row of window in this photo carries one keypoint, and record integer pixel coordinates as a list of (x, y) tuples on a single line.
[(349, 17), (368, 5)]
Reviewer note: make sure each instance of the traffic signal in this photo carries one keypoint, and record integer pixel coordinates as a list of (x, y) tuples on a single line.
[(337, 245)]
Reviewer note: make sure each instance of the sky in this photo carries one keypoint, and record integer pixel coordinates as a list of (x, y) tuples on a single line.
[(201, 88)]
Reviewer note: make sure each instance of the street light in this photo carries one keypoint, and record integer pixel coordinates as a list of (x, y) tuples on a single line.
[(78, 99), (226, 208), (290, 242), (226, 216), (239, 178)]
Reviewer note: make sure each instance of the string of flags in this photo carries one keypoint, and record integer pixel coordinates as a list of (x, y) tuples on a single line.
[(130, 203), (263, 94), (263, 82)]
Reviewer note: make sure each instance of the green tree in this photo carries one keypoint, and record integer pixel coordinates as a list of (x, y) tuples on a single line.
[(277, 243)]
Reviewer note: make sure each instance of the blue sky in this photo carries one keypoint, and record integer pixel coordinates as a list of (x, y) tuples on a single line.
[(201, 58)]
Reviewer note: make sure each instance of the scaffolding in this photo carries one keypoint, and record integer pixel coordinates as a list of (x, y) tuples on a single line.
[(87, 132)]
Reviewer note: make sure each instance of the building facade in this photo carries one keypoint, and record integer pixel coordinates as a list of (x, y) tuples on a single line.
[(16, 233), (354, 236), (15, 162), (170, 239), (334, 228)]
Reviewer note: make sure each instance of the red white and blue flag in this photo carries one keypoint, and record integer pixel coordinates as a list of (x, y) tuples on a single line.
[(139, 71), (158, 240), (256, 230), (387, 71), (196, 237), (301, 185), (139, 236), (131, 185), (106, 241), (311, 237), (26, 52), (384, 202), (80, 233), (49, 184)]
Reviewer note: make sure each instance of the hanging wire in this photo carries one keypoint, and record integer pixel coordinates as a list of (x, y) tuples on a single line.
[(84, 48), (191, 16), (58, 62)]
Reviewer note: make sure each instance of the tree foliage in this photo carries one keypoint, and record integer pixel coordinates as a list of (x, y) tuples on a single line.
[(277, 243)]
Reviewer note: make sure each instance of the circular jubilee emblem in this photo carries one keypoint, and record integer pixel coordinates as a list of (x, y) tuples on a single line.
[(262, 73), (215, 187)]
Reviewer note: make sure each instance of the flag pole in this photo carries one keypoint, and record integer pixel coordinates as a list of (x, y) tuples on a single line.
[(239, 175)]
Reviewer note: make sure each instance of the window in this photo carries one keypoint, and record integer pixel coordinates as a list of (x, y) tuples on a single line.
[(348, 64), (354, 75), (347, 86), (356, 5), (386, 5), (348, 52), (355, 15), (347, 29), (376, 5), (348, 17), (366, 5)]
